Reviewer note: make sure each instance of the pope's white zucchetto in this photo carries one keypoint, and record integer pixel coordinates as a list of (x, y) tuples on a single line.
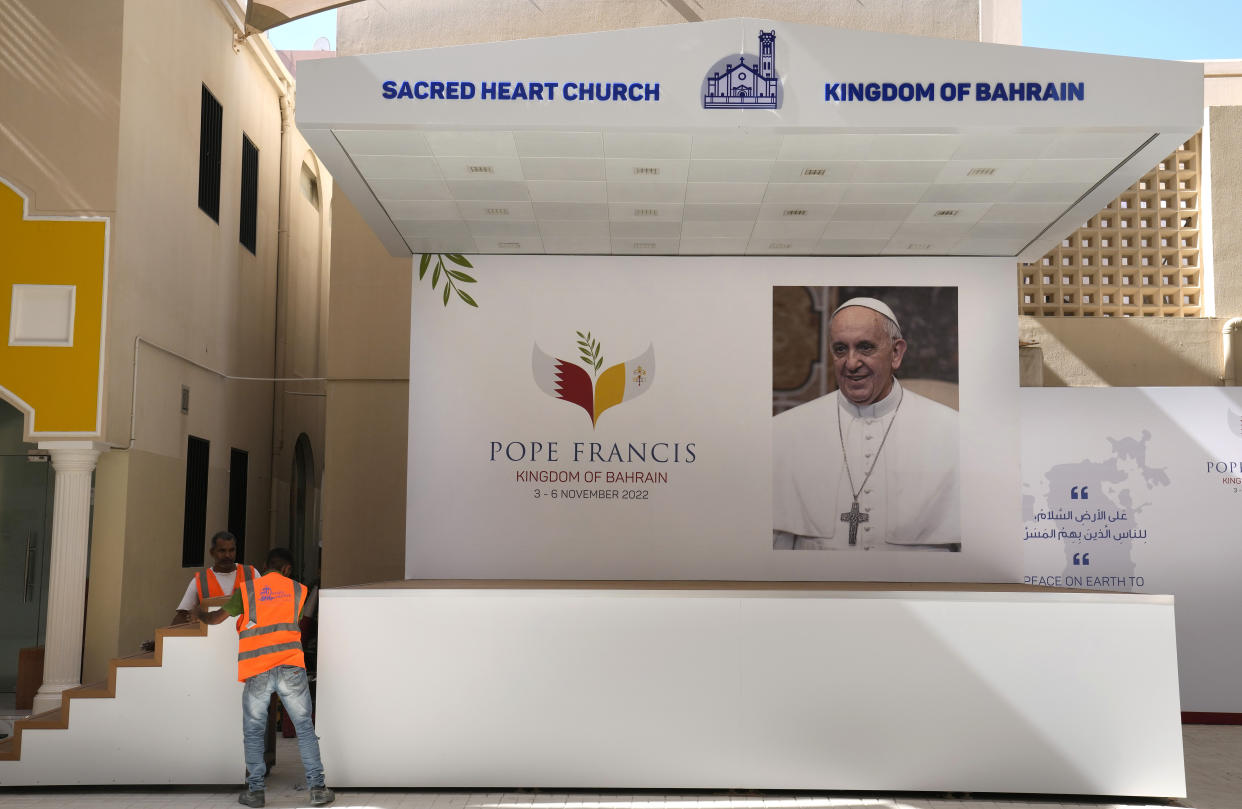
[(872, 304)]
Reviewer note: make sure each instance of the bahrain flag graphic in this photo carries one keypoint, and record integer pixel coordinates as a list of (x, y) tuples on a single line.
[(586, 387)]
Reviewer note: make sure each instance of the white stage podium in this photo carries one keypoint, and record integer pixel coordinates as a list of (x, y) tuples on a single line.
[(639, 685)]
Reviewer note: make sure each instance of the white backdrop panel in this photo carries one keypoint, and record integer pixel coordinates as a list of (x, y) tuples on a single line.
[(1162, 469), (709, 324)]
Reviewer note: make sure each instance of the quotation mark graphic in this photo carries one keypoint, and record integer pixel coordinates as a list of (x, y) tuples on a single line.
[(1078, 492), (1082, 558)]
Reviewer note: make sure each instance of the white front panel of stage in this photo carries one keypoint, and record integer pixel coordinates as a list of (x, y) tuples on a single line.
[(863, 690), (505, 480)]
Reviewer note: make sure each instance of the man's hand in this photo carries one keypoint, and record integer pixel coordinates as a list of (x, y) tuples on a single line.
[(212, 617)]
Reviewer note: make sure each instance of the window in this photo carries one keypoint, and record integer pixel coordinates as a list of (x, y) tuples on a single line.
[(310, 186), (210, 122), (239, 461), (249, 194), (194, 527)]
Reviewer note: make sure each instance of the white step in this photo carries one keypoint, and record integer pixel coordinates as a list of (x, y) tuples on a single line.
[(177, 723)]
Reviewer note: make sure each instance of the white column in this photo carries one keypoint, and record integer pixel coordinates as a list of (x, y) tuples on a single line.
[(66, 601)]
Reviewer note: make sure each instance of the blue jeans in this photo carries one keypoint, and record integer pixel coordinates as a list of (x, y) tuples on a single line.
[(290, 683)]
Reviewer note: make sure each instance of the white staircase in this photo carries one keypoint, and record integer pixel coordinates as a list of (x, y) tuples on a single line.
[(168, 717)]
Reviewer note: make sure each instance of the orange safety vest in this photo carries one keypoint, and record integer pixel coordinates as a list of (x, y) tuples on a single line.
[(273, 603), (208, 586)]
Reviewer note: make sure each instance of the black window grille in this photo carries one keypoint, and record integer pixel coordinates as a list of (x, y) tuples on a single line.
[(194, 529), (249, 194), (209, 147)]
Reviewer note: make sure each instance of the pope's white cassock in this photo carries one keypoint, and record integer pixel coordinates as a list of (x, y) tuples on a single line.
[(911, 500)]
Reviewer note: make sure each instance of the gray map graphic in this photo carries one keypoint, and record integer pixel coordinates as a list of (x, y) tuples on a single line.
[(1107, 518)]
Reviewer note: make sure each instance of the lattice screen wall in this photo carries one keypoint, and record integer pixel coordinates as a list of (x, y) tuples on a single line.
[(1139, 257)]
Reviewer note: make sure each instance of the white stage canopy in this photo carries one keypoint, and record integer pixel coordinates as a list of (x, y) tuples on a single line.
[(740, 136)]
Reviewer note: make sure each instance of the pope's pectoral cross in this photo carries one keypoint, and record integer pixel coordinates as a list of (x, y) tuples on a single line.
[(854, 517)]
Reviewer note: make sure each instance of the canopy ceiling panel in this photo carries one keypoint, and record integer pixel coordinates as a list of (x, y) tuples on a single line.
[(741, 137)]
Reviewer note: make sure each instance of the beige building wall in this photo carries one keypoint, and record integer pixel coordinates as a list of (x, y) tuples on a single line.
[(183, 282), (368, 405), (107, 565), (1126, 352), (299, 408), (60, 67), (1225, 126), (370, 324), (100, 115), (1222, 93), (398, 25)]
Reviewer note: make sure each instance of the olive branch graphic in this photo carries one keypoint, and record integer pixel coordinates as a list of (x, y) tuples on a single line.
[(589, 350), (450, 275)]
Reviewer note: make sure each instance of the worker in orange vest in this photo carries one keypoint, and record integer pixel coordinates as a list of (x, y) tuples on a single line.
[(214, 582), (217, 580), (270, 659)]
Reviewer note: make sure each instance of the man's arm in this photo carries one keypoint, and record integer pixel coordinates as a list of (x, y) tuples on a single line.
[(188, 602), (232, 607)]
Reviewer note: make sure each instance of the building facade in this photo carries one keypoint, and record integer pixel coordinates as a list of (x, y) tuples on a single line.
[(168, 243)]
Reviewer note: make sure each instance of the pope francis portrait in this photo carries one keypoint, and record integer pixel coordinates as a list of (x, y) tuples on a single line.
[(872, 465)]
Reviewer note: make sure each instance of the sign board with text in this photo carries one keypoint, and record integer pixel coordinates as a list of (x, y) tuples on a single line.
[(611, 418)]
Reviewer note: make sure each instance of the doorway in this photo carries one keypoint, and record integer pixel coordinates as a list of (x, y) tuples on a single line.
[(26, 481), (303, 536)]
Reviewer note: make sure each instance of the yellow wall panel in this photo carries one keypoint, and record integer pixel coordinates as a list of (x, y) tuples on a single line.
[(60, 384)]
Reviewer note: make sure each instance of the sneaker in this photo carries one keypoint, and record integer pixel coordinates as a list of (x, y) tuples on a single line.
[(321, 796), (252, 797)]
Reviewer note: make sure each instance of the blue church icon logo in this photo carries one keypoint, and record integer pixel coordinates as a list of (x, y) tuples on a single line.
[(745, 81)]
